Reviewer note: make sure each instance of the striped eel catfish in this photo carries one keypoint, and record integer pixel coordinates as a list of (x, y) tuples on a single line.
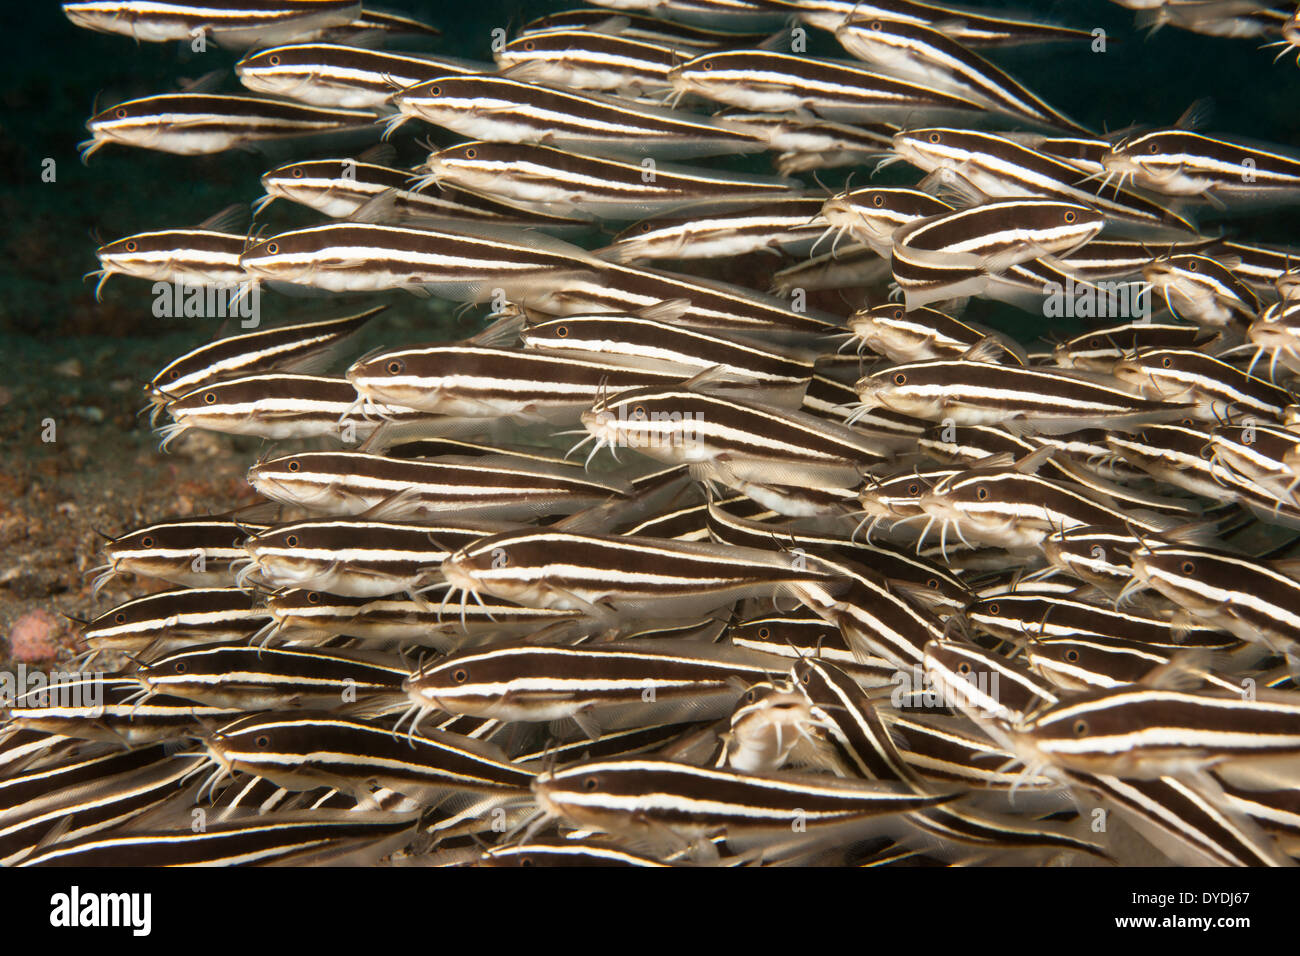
[(679, 36), (190, 552), (109, 710), (776, 226), (965, 26), (287, 348), (274, 678), (1179, 162), (608, 576), (1051, 401), (922, 54), (953, 255), (1215, 390), (307, 750), (1142, 732), (310, 617), (277, 406), (350, 483), (578, 185), (487, 382), (459, 260), (1251, 599), (988, 165), (207, 255), (334, 75), (600, 686), (588, 60), (662, 799), (323, 837), (651, 339), (1202, 290), (344, 188), (192, 124), (780, 82), (500, 109), (873, 214), (176, 618), (233, 23), (356, 557)]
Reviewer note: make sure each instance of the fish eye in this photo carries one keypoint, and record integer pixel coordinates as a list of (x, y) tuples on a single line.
[(181, 667), (562, 332), (471, 153), (297, 172), (764, 633), (272, 248), (1070, 216), (1153, 147), (529, 45), (120, 112), (1167, 362), (900, 379), (460, 675), (638, 411), (292, 541), (435, 91), (1187, 567), (932, 584), (1072, 656), (1094, 343), (526, 861), (749, 696), (706, 66), (395, 367), (590, 783), (262, 742), (876, 25), (146, 541), (982, 493), (1080, 727), (936, 138), (294, 466), (1192, 266), (273, 59), (131, 245), (313, 597), (646, 227), (210, 398), (898, 313), (174, 374), (119, 618), (963, 668), (913, 488), (995, 608), (877, 200)]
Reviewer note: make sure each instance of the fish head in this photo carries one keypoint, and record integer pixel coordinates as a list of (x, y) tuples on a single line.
[(655, 422), (284, 258), (387, 377), (283, 70), (696, 75), (143, 256), (461, 684)]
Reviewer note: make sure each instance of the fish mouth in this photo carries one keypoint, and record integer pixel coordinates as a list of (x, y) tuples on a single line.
[(459, 573)]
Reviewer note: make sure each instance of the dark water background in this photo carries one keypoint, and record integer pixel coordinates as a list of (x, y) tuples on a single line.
[(55, 73)]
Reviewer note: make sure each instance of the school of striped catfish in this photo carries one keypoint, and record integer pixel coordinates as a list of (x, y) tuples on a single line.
[(728, 537)]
